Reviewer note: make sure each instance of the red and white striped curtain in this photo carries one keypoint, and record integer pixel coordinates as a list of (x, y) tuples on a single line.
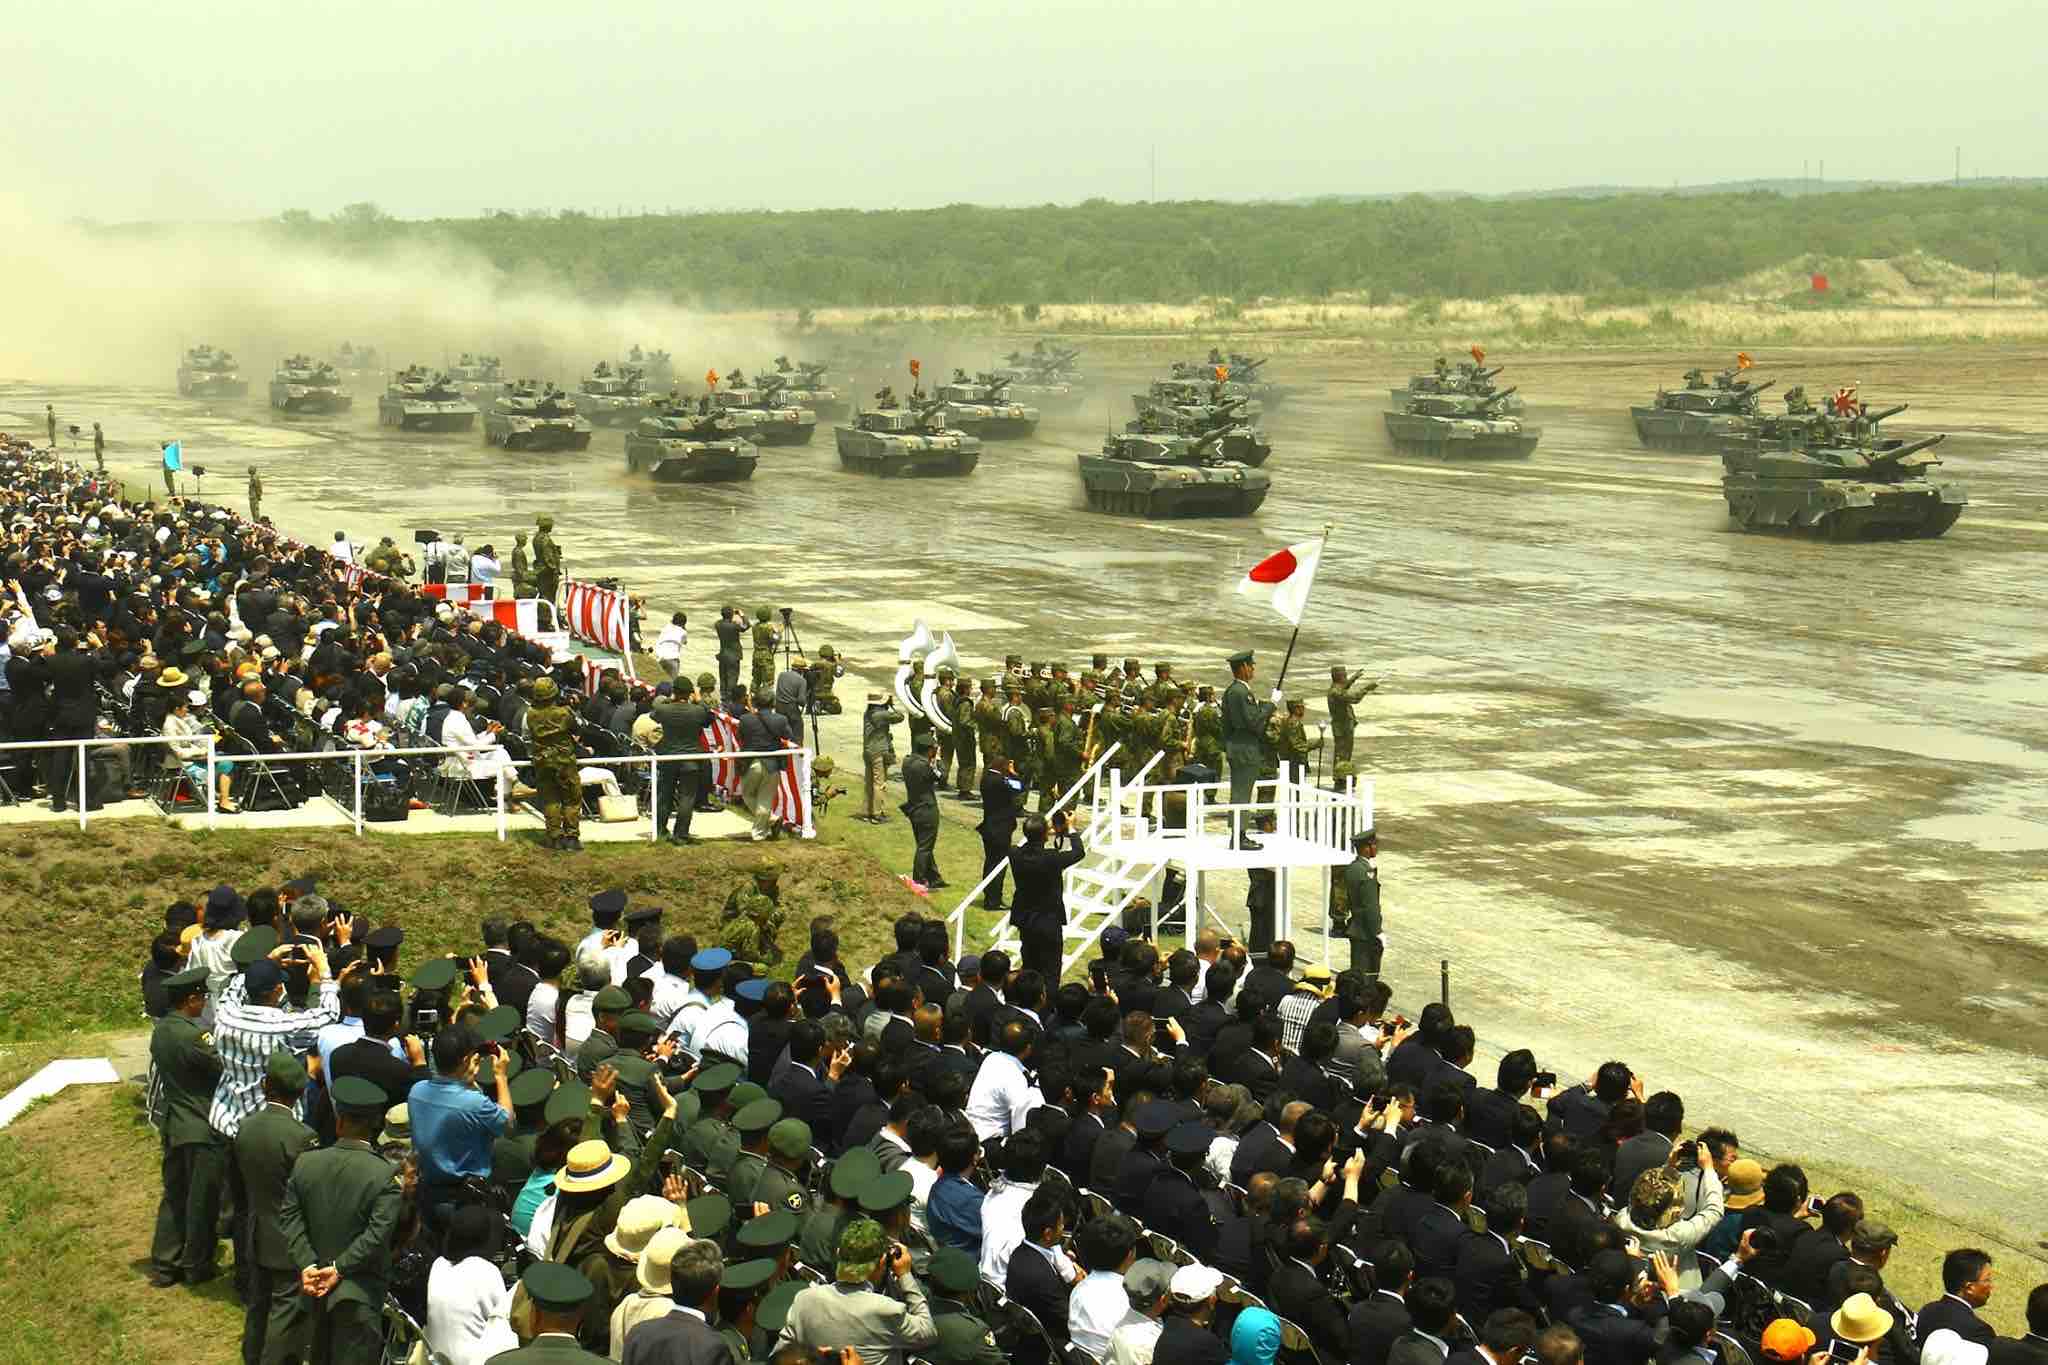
[(793, 793), (519, 614), (593, 670), (722, 736), (597, 615), (461, 594)]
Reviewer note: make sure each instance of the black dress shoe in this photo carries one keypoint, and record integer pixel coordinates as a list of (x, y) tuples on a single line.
[(164, 1279)]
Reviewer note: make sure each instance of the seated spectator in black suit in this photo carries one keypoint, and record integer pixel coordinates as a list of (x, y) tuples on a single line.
[(1432, 1325), (1094, 1114), (982, 1001), (1069, 1002), (1505, 1336), (1380, 1318), (1275, 976), (1489, 1114), (1175, 1000), (1488, 1275), (1519, 1158), (1897, 1343), (1186, 1336), (1398, 1209), (1819, 1250), (1241, 1243), (1966, 1280), (1689, 1334), (1620, 1324), (1663, 1120), (1785, 1204), (1409, 1063), (1138, 1064), (1101, 1042), (1208, 1018), (1257, 1066), (1114, 1145), (1297, 1291), (2031, 1349), (1870, 1246), (1040, 1275), (1307, 1076), (1583, 1109), (1454, 1055), (1267, 1146), (1440, 1225), (1585, 1202), (1439, 1109), (1189, 1080), (1548, 1191)]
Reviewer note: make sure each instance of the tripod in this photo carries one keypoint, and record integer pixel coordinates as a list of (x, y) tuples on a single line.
[(791, 647)]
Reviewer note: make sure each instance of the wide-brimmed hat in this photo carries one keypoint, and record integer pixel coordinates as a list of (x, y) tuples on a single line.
[(172, 677), (591, 1166), (642, 1217), (1745, 1184), (1860, 1320), (657, 1257), (397, 1126)]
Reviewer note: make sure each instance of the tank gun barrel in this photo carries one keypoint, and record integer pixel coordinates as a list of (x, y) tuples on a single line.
[(1876, 417), (1500, 396), (1488, 374), (1759, 388), (1910, 448)]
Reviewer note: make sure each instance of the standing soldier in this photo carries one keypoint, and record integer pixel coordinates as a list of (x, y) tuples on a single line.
[(988, 726), (522, 568), (1066, 747), (547, 560), (766, 638), (266, 1146), (1207, 727), (1344, 695), (555, 775), (823, 673), (1132, 681), (1142, 736), (878, 752), (1017, 733), (1360, 911), (1293, 744), (731, 628), (255, 495), (50, 411), (1097, 666), (965, 773), (99, 447), (1043, 760), (1244, 728), (1165, 691), (194, 1156), (942, 701), (340, 1212)]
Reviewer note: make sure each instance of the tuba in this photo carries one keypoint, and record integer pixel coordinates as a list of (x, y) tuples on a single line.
[(910, 648)]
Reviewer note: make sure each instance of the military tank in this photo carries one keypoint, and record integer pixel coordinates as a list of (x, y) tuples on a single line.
[(1243, 373), (897, 441), (529, 416), (1042, 365), (1158, 474), (809, 388), (1837, 476), (762, 412), (614, 398), (679, 442), (1469, 377), (304, 385), (1461, 426), (1188, 391), (480, 377), (981, 407), (210, 373), (657, 367), (1699, 416), (417, 400), (1243, 439), (352, 359)]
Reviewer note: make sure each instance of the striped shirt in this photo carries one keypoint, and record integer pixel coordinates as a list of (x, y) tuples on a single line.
[(1296, 1007), (245, 1035)]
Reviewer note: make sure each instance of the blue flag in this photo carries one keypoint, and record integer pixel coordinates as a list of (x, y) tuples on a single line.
[(174, 456)]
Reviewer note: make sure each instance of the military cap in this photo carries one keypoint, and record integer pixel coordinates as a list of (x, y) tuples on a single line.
[(285, 1071), (385, 938), (773, 1310), (567, 1102), (952, 1269), (1131, 663), (553, 1285), (862, 1243), (828, 653), (754, 988), (855, 1168), (544, 521), (758, 1117), (747, 1275), (435, 974), (1162, 667), (646, 914), (192, 649), (885, 1193), (300, 886), (544, 689), (1366, 836), (713, 1079), (711, 960), (510, 1062), (1100, 661), (606, 906), (762, 613), (746, 1092), (768, 1234), (261, 977), (639, 1024), (689, 1108), (611, 1000), (709, 1215), (1243, 656), (185, 982), (1156, 1119), (497, 1025), (789, 1138), (1012, 660), (1187, 1138), (358, 1096), (253, 944), (531, 1086)]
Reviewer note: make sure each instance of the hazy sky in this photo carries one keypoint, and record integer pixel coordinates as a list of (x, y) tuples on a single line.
[(230, 108)]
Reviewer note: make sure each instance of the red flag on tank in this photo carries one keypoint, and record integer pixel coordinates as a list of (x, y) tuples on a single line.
[(915, 369), (710, 379), (1478, 354), (1742, 360), (1282, 579), (1844, 401)]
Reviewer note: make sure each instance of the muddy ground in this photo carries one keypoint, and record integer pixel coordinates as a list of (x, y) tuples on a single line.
[(1767, 818)]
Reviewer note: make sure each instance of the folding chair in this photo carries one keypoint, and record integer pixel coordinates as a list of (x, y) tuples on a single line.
[(1095, 1205), (1295, 1345), (1799, 1310), (255, 781), (403, 1336)]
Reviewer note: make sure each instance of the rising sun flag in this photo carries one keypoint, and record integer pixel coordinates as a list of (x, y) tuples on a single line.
[(1282, 579)]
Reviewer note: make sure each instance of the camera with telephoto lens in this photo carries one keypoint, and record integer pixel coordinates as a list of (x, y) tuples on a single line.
[(1688, 1153)]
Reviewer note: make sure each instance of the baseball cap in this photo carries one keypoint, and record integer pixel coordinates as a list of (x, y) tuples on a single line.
[(1785, 1339), (861, 1245), (1193, 1283), (1147, 1280)]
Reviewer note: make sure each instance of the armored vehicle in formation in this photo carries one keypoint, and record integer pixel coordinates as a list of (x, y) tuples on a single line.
[(350, 358), (1470, 377), (1156, 474), (210, 373), (1243, 439), (528, 416), (657, 366), (417, 400), (982, 407), (1461, 426), (614, 398), (302, 384), (681, 442), (1701, 415), (896, 440), (1049, 377), (1187, 391), (808, 387), (1835, 474), (762, 413), (479, 377), (1241, 372)]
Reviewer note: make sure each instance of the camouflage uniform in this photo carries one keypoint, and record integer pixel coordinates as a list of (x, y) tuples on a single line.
[(752, 920), (1066, 748), (1342, 698), (942, 702), (988, 725), (1043, 760), (255, 495), (962, 715), (766, 638), (522, 568), (1017, 735), (547, 560), (1293, 744), (822, 676), (555, 775), (1164, 691), (1208, 734)]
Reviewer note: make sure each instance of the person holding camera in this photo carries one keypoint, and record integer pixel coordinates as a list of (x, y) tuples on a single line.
[(453, 1124), (1039, 906), (853, 1313)]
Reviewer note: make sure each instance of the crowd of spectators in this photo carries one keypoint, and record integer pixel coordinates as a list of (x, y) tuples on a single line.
[(641, 1148)]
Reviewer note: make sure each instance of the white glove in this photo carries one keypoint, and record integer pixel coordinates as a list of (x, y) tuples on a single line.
[(1278, 696)]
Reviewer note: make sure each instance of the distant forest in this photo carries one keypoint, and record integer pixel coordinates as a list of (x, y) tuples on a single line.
[(1415, 247)]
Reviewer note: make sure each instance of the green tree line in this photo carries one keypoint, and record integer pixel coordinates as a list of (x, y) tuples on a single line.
[(1177, 252)]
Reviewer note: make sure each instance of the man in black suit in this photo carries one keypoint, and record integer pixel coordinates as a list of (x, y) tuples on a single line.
[(1256, 1067), (932, 975), (1408, 1064), (1583, 1202), (1518, 1158), (1786, 1204), (1267, 1145), (1398, 1210), (1505, 1336), (1583, 1109), (1381, 1318), (1274, 977), (1094, 1114), (1040, 1276), (1186, 1336), (2031, 1349), (1439, 1226), (1689, 1329), (1548, 1191), (1663, 1120), (985, 999), (370, 1056), (1819, 1250), (1039, 908), (1304, 1077), (1296, 1289), (1452, 1055), (1208, 1018), (1175, 999), (920, 806), (1489, 1114), (1488, 1274), (683, 1338), (1001, 803), (1619, 1324), (74, 709), (1966, 1281), (1432, 1321)]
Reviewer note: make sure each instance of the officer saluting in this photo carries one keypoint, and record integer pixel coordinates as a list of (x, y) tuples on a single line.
[(1244, 727)]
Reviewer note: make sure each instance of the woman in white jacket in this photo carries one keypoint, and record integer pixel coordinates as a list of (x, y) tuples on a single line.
[(1655, 1203), (469, 1304)]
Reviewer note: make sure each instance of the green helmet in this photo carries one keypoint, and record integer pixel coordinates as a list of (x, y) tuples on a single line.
[(707, 682), (544, 521), (828, 653), (764, 613), (545, 690)]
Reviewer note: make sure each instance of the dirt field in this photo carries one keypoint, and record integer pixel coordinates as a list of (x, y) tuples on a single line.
[(1765, 818)]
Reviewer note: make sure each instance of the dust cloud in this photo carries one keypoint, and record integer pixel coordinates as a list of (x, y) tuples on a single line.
[(120, 306)]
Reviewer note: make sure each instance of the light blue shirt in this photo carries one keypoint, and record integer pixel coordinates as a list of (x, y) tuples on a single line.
[(333, 1036), (453, 1126)]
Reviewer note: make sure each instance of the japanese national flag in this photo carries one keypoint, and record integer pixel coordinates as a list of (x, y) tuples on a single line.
[(1282, 579)]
